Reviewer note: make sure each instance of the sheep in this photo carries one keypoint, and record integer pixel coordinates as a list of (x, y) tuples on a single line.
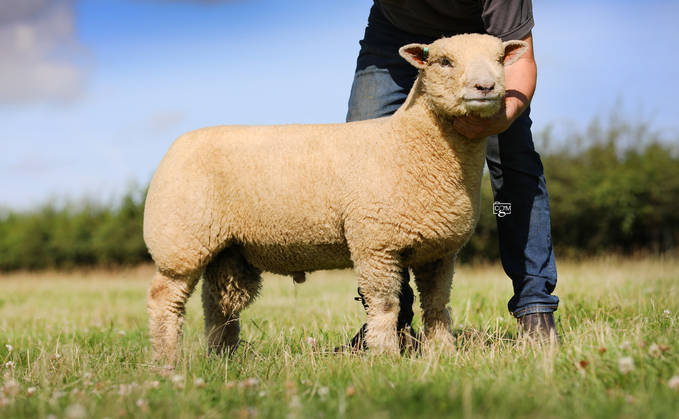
[(230, 202)]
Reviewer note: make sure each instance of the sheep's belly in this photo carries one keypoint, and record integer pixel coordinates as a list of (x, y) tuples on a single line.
[(291, 258)]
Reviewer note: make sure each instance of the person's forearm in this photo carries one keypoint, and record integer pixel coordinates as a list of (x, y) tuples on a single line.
[(520, 81)]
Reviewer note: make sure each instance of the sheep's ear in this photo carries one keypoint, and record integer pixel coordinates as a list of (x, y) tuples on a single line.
[(415, 54), (514, 50)]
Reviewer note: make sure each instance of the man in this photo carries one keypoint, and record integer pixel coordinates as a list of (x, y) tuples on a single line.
[(381, 84)]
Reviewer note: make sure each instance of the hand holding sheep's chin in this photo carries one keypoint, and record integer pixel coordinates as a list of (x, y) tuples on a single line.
[(475, 127)]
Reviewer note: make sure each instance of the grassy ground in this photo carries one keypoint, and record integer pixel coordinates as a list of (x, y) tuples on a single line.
[(78, 348)]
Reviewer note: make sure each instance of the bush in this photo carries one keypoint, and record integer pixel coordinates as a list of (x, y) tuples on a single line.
[(612, 189), (621, 194), (84, 234)]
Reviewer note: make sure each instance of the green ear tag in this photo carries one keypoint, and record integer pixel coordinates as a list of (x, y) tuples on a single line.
[(425, 54)]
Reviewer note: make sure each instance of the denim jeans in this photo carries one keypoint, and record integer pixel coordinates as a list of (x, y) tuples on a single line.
[(381, 84)]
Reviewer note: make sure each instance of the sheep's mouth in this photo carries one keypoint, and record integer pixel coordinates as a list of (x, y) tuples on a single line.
[(485, 101), (485, 104), (482, 106)]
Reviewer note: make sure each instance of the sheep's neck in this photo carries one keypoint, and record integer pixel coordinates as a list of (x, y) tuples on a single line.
[(460, 159), (433, 132), (416, 116)]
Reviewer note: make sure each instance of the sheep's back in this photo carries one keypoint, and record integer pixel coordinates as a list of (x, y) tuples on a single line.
[(266, 187)]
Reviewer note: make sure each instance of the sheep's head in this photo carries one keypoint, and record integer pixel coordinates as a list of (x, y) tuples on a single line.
[(464, 74)]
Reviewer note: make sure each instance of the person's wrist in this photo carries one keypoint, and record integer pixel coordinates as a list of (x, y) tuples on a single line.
[(514, 107)]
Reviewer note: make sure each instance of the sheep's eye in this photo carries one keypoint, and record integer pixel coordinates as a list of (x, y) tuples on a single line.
[(446, 62)]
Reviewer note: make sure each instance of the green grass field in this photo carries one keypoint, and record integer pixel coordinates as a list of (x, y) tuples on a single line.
[(75, 345)]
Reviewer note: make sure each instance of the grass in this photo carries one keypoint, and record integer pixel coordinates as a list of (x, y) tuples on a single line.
[(78, 348)]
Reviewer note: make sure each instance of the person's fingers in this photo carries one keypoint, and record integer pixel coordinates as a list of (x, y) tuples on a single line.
[(475, 118), (468, 128)]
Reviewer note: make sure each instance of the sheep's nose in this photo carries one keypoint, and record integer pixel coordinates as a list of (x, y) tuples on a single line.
[(485, 88)]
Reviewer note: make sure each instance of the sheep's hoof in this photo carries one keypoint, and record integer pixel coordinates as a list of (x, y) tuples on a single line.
[(438, 342), (409, 342), (224, 349), (382, 343), (165, 357)]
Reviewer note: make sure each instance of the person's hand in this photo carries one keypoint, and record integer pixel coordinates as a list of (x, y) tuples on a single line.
[(475, 127)]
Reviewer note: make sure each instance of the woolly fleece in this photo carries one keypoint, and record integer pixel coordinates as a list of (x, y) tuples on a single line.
[(229, 202)]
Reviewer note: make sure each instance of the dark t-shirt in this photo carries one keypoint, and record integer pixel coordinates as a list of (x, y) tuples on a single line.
[(506, 19)]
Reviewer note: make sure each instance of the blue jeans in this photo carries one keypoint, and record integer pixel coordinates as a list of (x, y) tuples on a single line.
[(381, 84)]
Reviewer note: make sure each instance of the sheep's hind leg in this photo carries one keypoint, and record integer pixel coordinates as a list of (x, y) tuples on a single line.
[(165, 301), (379, 278), (434, 282), (230, 285)]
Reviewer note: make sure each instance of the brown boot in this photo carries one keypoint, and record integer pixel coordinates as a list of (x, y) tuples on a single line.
[(539, 327)]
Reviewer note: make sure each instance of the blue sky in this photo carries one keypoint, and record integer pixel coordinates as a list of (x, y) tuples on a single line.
[(93, 92)]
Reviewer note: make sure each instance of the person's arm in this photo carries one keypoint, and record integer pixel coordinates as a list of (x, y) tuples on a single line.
[(520, 80)]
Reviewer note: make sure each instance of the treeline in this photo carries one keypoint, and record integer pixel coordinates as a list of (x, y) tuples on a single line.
[(613, 188), (75, 235)]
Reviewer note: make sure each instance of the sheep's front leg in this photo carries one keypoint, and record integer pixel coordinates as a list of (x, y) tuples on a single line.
[(434, 282), (165, 301), (379, 277)]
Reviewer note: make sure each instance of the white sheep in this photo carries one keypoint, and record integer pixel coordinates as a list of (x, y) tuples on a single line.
[(382, 195)]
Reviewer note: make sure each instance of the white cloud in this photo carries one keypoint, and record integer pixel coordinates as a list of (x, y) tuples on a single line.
[(42, 58)]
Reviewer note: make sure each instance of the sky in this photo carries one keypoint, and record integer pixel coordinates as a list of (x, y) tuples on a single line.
[(94, 92)]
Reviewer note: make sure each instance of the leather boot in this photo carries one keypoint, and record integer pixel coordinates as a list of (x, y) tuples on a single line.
[(539, 327)]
